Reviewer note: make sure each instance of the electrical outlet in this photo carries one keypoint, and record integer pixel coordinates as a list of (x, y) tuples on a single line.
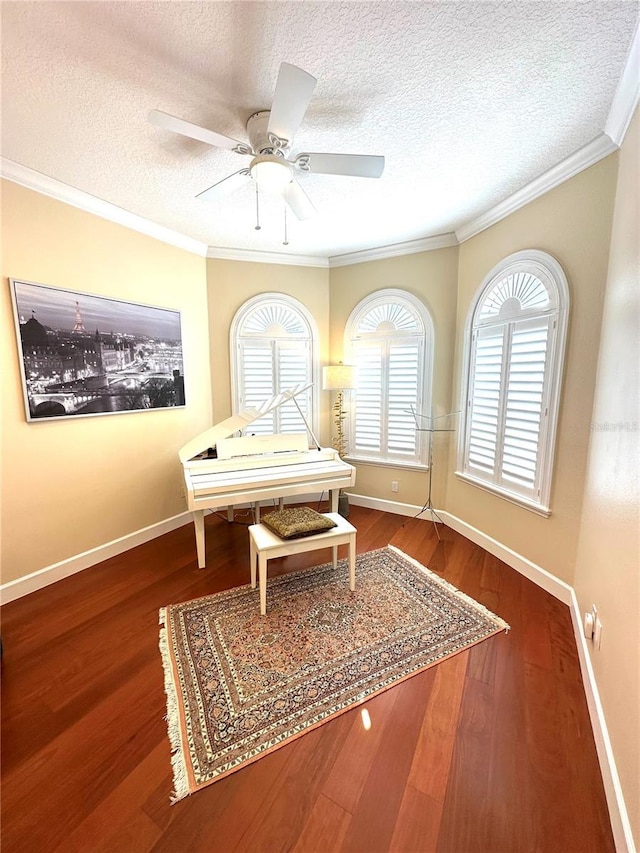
[(590, 624), (394, 485), (597, 634)]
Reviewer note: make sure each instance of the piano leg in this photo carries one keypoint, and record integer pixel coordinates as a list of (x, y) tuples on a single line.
[(198, 523), (230, 513), (334, 499)]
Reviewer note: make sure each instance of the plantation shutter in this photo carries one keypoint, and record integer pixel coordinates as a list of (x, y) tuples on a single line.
[(267, 368), (507, 403), (485, 400), (368, 413), (403, 380), (292, 358), (525, 404), (389, 374), (257, 382)]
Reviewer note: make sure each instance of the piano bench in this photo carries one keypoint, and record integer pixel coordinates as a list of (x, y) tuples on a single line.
[(266, 545)]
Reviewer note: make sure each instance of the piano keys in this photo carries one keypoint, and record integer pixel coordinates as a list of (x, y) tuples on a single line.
[(223, 470)]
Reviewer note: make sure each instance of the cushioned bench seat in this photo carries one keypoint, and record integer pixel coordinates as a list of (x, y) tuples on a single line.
[(265, 545)]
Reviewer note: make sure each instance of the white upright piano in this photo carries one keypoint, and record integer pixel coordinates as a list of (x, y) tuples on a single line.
[(222, 470)]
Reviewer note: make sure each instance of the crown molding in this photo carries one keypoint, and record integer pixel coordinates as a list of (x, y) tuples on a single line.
[(33, 180), (584, 157), (411, 247), (627, 94), (266, 257)]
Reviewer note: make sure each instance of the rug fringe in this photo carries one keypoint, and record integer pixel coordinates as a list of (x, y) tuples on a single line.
[(178, 763), (500, 623)]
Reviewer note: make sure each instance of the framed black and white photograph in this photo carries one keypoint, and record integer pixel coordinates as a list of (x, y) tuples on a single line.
[(82, 354)]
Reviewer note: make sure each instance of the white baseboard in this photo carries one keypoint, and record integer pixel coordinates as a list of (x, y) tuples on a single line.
[(620, 824), (384, 505), (50, 574)]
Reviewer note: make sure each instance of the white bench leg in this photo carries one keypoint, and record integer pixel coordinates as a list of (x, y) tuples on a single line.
[(352, 562), (335, 556), (252, 556), (262, 569)]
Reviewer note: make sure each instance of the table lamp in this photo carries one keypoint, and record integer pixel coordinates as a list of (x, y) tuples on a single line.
[(340, 378)]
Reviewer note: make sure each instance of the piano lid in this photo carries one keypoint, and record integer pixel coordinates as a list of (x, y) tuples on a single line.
[(210, 437)]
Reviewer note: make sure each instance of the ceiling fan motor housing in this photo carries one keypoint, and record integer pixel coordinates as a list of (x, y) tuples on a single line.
[(261, 140)]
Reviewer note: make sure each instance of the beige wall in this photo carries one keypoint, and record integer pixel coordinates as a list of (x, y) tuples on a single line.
[(432, 278), (572, 223), (72, 485), (230, 285), (608, 564)]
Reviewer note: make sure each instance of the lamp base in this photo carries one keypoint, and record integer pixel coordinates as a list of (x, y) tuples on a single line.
[(343, 504)]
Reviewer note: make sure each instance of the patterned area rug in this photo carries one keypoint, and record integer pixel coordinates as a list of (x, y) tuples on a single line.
[(240, 685)]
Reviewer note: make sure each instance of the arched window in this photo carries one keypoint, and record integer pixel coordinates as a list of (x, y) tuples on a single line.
[(389, 336), (515, 338), (273, 347)]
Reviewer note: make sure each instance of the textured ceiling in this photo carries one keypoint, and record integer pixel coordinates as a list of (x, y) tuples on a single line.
[(468, 101)]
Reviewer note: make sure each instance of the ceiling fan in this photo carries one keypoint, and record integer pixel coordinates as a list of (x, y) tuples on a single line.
[(271, 135)]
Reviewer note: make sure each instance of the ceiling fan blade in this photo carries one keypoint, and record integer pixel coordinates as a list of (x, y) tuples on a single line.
[(298, 201), (226, 186), (178, 125), (293, 91), (356, 165)]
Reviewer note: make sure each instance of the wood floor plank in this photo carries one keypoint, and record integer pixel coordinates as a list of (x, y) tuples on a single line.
[(418, 824), (279, 821), (346, 780), (86, 761), (432, 756), (376, 812), (467, 806), (215, 819), (120, 816), (325, 828)]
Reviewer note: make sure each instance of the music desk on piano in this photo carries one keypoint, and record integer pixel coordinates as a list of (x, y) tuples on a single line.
[(221, 470)]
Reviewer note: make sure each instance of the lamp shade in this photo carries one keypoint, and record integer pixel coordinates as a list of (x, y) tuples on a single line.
[(339, 377), (271, 173)]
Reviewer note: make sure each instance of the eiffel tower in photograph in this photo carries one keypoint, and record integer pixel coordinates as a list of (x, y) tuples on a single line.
[(79, 326)]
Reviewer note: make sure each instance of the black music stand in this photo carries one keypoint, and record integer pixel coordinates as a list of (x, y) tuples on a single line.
[(431, 425)]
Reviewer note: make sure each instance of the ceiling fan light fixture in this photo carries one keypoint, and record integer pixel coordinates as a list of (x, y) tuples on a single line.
[(271, 173)]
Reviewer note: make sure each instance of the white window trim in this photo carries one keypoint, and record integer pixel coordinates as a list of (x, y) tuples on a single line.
[(291, 302), (547, 268), (391, 294), (367, 460)]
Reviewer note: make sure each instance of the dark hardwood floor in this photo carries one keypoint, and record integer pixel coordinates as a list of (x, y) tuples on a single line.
[(491, 751)]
